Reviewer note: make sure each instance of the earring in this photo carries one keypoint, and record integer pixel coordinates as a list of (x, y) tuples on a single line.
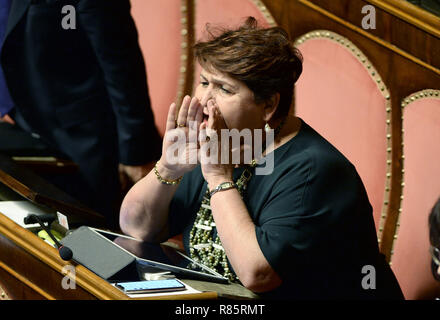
[(267, 127)]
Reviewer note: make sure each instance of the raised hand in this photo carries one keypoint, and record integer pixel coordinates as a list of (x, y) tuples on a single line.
[(180, 145), (215, 171)]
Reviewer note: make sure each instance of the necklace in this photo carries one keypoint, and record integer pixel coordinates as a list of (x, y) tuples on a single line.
[(204, 243)]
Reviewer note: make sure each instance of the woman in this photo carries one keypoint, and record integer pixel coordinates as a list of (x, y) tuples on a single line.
[(304, 231)]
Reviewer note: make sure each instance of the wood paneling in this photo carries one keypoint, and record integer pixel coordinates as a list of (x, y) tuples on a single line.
[(391, 29), (32, 269)]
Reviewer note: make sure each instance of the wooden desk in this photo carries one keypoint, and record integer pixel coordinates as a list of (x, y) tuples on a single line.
[(32, 269)]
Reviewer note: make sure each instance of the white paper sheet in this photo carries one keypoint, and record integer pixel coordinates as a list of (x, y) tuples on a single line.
[(18, 210)]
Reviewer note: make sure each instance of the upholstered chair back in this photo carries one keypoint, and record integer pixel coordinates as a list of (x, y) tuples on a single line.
[(410, 259), (341, 95), (159, 28)]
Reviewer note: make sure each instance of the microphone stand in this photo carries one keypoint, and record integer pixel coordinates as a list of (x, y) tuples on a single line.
[(65, 252)]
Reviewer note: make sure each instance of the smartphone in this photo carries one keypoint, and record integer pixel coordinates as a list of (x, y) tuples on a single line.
[(151, 286)]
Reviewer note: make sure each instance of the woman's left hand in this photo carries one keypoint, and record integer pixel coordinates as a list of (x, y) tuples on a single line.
[(213, 170)]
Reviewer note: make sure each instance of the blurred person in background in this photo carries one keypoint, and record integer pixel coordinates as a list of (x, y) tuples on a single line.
[(82, 89)]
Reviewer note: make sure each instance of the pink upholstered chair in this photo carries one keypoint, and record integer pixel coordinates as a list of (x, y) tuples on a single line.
[(159, 27), (410, 258), (341, 95)]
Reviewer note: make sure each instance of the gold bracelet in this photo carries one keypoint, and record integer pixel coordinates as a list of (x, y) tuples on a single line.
[(165, 181), (222, 187)]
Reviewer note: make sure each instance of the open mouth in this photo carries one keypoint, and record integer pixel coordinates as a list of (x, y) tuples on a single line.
[(205, 117)]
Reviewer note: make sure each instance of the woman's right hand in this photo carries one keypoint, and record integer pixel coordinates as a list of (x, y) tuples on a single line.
[(180, 144)]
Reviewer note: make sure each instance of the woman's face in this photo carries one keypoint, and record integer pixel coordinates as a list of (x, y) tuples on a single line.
[(234, 99)]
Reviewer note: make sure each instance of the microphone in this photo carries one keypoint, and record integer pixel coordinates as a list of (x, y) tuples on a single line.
[(65, 252)]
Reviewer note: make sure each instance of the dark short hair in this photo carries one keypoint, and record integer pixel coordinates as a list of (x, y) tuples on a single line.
[(434, 225), (262, 58), (434, 234)]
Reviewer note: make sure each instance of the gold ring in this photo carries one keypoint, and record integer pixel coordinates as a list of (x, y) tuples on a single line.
[(181, 125)]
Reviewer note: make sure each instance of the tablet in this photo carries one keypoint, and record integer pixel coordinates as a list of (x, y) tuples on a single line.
[(162, 256)]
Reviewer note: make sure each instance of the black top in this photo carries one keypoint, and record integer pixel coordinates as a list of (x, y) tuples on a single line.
[(313, 222)]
